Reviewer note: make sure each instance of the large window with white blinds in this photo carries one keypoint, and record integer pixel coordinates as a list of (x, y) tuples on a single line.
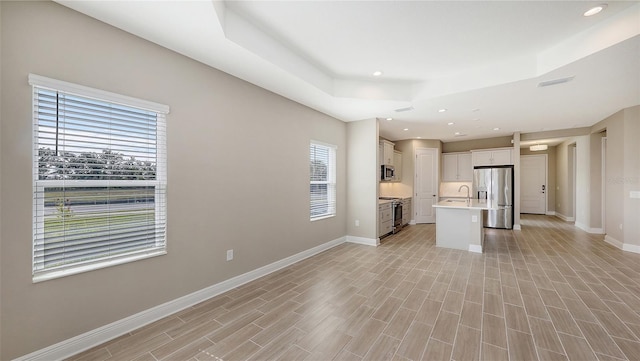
[(99, 178), (322, 169)]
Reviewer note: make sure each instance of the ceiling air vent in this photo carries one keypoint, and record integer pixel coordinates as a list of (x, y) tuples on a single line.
[(555, 81), (404, 109)]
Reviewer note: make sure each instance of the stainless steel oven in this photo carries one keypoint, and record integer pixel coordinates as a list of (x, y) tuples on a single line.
[(396, 213)]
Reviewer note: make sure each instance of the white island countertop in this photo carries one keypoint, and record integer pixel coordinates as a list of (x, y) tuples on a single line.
[(464, 204)]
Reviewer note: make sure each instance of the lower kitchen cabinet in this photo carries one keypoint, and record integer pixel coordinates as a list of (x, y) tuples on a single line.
[(406, 210), (385, 219)]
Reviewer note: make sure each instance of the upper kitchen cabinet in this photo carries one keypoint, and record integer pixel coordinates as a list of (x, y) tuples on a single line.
[(397, 164), (501, 156), (386, 152), (457, 167)]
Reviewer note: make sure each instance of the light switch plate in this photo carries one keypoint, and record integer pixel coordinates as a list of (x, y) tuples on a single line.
[(634, 194), (474, 219)]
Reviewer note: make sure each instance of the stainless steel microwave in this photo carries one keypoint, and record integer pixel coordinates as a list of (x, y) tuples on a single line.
[(387, 173)]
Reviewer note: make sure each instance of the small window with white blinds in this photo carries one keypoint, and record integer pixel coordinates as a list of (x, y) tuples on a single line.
[(99, 178), (322, 169)]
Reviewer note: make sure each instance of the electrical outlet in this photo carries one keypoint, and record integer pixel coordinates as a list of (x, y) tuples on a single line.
[(229, 254), (357, 223), (474, 219)]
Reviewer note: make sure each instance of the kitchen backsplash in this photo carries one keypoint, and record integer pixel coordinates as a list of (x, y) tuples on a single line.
[(450, 189), (394, 189)]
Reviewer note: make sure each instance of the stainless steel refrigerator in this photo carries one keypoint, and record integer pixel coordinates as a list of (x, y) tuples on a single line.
[(495, 184)]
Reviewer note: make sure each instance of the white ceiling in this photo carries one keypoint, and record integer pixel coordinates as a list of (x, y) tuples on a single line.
[(480, 60)]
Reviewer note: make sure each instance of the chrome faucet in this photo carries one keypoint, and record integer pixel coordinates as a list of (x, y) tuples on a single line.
[(468, 195)]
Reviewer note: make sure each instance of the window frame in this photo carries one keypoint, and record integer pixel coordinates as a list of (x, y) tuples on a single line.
[(159, 183), (330, 182)]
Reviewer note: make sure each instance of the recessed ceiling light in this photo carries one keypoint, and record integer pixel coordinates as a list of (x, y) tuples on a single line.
[(405, 129), (389, 118), (496, 128), (456, 133), (442, 110), (377, 73), (419, 137), (595, 10), (450, 123)]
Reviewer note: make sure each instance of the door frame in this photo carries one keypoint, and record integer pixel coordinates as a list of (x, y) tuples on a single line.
[(546, 180), (603, 185), (414, 201)]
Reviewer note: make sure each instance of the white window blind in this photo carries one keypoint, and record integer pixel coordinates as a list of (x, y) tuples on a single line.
[(322, 169), (99, 179)]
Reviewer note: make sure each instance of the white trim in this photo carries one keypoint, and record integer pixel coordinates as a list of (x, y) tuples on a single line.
[(630, 248), (475, 248), (614, 242), (363, 240), (623, 246), (85, 341), (551, 213), (412, 222), (582, 226), (565, 218), (54, 84), (589, 229), (603, 184), (516, 227)]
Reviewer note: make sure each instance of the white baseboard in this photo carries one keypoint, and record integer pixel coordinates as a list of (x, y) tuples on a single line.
[(631, 248), (565, 218), (623, 246), (587, 229), (582, 226), (551, 213), (85, 341), (412, 222), (363, 240), (475, 248), (614, 242), (517, 227)]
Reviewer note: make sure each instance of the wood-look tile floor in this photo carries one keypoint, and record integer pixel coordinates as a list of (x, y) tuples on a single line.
[(548, 292)]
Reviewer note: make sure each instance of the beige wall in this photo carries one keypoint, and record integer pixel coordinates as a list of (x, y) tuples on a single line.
[(622, 220), (632, 177), (362, 175), (551, 174), (564, 175), (614, 183), (595, 160), (583, 186), (467, 145), (238, 172), (1, 322)]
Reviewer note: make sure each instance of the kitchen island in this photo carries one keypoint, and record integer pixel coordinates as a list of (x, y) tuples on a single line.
[(459, 224)]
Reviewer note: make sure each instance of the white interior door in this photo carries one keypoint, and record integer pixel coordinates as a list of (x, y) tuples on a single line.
[(533, 184), (426, 185)]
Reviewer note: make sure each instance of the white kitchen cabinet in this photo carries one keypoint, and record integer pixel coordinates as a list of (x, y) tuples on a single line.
[(386, 152), (397, 165), (385, 219), (457, 167), (406, 210), (492, 157)]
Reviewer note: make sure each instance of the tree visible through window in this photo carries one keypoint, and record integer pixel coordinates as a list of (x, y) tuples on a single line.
[(99, 179), (322, 170)]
